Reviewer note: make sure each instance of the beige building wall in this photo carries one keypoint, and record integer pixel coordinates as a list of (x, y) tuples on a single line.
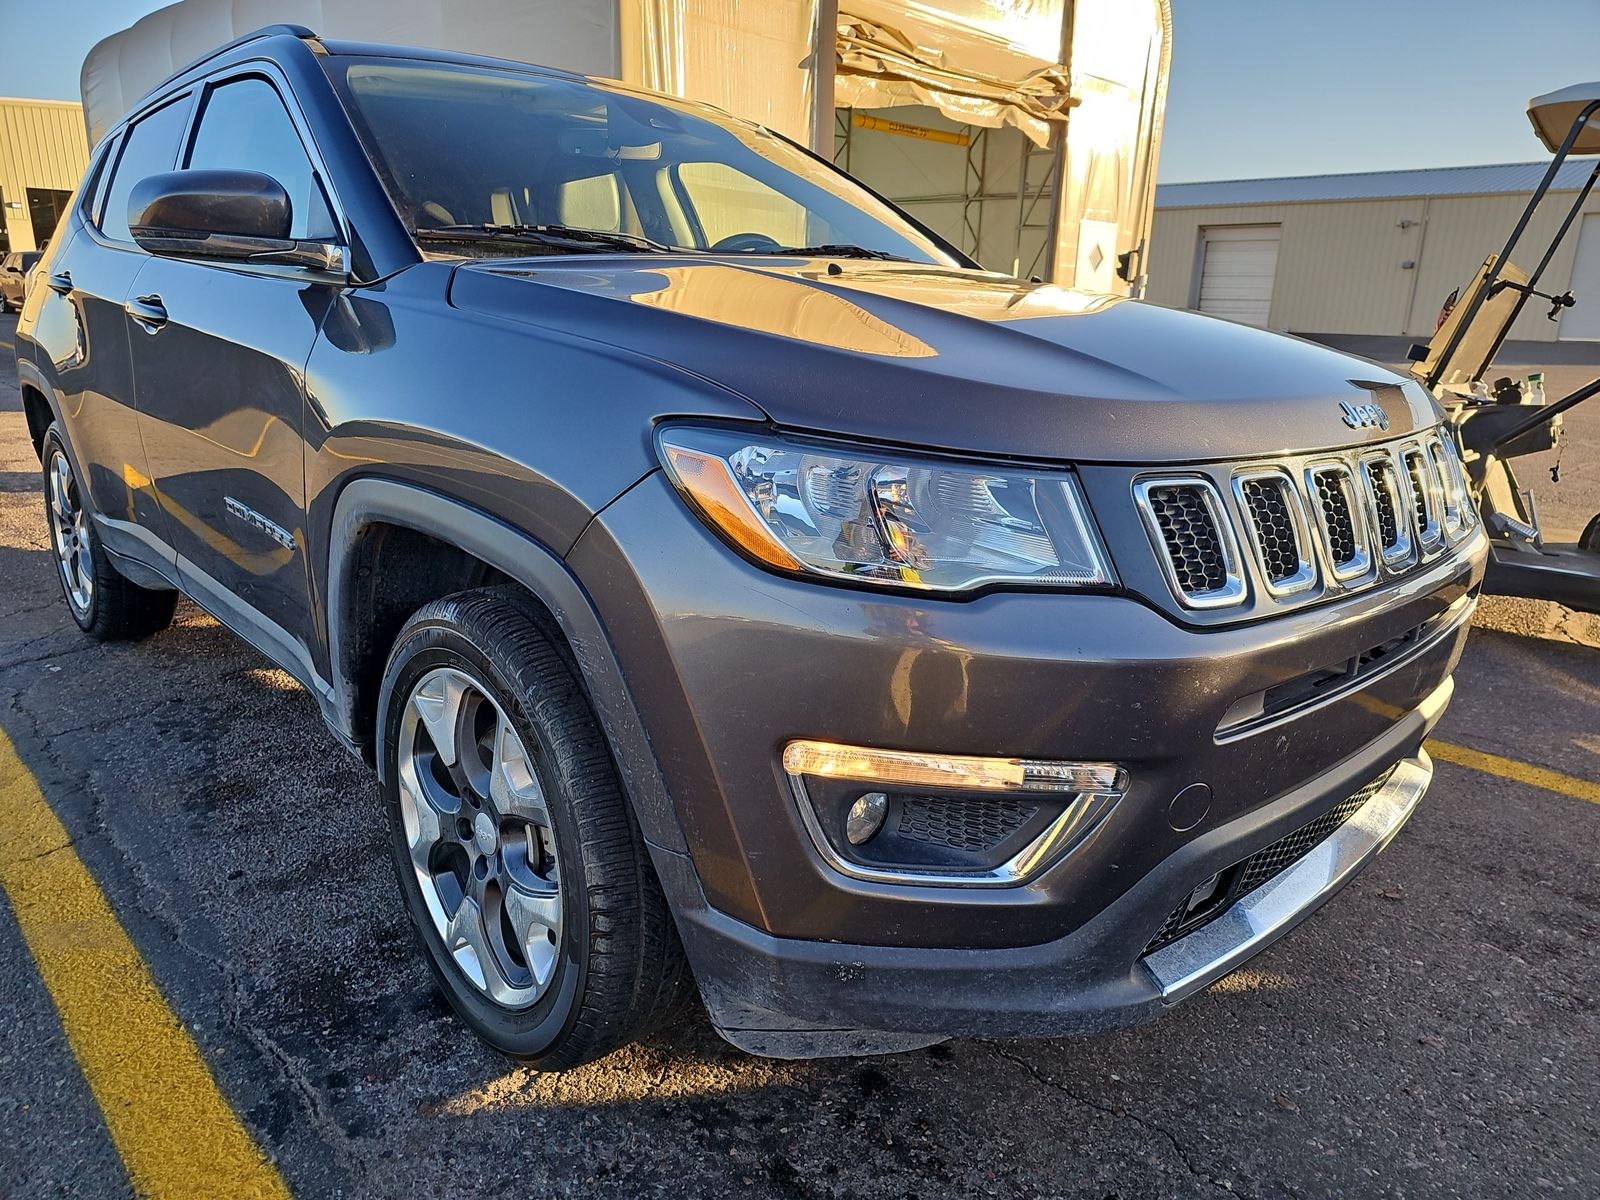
[(1340, 262), (42, 147)]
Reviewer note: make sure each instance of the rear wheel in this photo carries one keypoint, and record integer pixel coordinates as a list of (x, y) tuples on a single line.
[(520, 862), (1590, 539), (105, 605)]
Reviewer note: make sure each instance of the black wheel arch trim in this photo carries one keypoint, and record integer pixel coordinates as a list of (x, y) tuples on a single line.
[(369, 501), (30, 377)]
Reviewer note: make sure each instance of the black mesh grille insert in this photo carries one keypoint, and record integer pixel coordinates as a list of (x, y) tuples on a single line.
[(1416, 468), (1269, 510), (962, 824), (1335, 502), (1194, 544), (1245, 877), (1384, 491)]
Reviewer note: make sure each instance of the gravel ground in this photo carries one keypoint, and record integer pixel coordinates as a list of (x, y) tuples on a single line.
[(1432, 1032)]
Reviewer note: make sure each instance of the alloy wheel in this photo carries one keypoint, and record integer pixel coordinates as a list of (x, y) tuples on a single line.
[(480, 837), (69, 533)]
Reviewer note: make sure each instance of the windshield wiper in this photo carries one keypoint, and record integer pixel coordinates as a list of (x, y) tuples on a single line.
[(838, 250), (565, 238)]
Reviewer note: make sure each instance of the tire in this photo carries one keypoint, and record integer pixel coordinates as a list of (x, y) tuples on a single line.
[(520, 862), (1590, 538), (106, 605)]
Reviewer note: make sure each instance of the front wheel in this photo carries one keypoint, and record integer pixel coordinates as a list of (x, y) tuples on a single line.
[(521, 865), (104, 603)]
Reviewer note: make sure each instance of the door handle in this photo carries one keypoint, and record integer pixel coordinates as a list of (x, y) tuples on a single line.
[(60, 282), (148, 311)]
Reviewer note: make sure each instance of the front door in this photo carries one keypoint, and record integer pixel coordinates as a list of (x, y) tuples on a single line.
[(219, 353)]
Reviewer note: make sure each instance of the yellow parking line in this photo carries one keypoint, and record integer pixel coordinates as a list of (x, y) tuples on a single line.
[(6, 344), (1518, 772), (175, 1133)]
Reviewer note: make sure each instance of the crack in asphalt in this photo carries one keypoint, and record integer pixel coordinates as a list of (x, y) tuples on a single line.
[(38, 658), (1118, 1112)]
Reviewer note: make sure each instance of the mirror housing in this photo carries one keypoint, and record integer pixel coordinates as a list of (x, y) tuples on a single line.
[(233, 216)]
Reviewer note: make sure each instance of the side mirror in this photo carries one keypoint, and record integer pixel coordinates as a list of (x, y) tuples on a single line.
[(235, 216)]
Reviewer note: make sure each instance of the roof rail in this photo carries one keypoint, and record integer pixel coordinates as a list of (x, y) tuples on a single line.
[(266, 31)]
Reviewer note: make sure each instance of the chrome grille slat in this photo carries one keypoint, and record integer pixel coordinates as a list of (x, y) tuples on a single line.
[(1193, 538), (1341, 516), (1381, 479), (1424, 495), (1278, 530)]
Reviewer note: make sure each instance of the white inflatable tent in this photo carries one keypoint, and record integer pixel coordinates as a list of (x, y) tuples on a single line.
[(1030, 69)]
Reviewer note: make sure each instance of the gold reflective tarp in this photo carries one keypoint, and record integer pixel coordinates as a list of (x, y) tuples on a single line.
[(986, 63)]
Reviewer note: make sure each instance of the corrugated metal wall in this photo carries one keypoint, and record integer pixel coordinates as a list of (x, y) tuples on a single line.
[(1340, 264), (42, 145)]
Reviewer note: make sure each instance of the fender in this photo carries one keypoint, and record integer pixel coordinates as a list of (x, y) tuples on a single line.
[(368, 501), (29, 375)]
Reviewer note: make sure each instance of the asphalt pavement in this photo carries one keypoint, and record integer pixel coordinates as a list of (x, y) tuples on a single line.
[(1433, 1031)]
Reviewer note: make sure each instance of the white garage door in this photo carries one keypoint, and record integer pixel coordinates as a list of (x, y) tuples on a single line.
[(1237, 264), (1582, 324)]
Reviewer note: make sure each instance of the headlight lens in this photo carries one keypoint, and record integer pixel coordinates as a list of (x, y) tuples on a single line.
[(887, 519)]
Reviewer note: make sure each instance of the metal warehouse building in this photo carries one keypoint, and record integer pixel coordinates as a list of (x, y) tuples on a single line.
[(1373, 253), (42, 156)]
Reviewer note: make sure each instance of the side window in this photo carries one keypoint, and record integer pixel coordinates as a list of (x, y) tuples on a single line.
[(94, 195), (245, 127), (727, 201), (149, 148)]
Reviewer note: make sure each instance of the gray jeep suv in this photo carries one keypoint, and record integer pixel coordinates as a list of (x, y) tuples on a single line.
[(728, 579)]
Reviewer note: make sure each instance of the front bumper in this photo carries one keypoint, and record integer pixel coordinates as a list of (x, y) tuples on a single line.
[(783, 998), (727, 663)]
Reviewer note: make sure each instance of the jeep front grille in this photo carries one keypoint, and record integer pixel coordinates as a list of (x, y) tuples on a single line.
[(1341, 520)]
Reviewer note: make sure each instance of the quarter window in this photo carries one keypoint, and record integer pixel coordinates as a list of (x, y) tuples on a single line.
[(150, 148), (245, 127)]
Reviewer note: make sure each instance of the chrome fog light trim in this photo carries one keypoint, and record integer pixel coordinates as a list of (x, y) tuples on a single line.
[(1094, 789)]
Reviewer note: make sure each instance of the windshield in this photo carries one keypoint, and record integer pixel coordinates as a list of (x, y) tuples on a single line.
[(486, 161)]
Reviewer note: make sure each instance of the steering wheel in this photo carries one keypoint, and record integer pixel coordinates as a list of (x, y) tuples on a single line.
[(749, 242)]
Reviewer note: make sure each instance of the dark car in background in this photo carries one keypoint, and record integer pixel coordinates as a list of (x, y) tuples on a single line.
[(727, 578), (14, 271)]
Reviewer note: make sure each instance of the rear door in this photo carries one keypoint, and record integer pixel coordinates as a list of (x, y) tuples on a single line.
[(82, 329), (219, 351)]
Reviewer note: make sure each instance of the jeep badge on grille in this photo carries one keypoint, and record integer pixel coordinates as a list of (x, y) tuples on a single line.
[(1364, 416)]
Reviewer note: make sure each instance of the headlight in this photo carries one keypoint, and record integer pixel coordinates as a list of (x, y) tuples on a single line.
[(881, 518)]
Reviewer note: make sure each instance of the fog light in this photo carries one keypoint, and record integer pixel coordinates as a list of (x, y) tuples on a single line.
[(865, 817)]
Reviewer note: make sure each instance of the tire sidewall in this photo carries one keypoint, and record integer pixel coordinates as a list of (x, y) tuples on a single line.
[(55, 444), (524, 1033)]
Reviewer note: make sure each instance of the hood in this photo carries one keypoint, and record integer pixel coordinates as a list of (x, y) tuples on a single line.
[(958, 360)]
